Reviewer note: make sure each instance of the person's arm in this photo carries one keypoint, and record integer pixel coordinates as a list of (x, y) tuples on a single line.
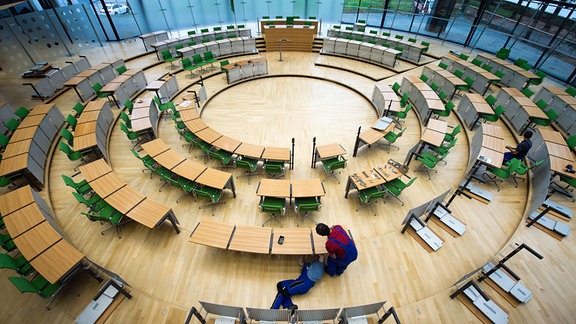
[(512, 149)]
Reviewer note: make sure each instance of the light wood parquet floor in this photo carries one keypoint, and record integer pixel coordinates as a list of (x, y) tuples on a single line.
[(168, 275)]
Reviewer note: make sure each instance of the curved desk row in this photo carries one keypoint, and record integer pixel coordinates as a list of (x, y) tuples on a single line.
[(263, 240), (412, 51), (563, 103), (425, 100), (558, 152), (102, 73), (471, 106), (54, 81), (514, 76), (200, 38), (445, 80), (519, 108), (94, 124), (122, 87), (154, 37), (125, 199), (145, 116), (192, 171), (222, 47), (29, 146), (371, 52), (30, 224), (246, 69), (482, 78), (385, 99), (199, 128)]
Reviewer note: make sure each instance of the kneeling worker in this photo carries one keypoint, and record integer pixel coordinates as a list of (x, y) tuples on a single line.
[(340, 246)]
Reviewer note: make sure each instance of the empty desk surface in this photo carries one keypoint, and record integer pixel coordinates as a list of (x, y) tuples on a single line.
[(250, 150), (329, 151), (307, 188), (276, 154), (274, 188), (210, 233), (251, 239)]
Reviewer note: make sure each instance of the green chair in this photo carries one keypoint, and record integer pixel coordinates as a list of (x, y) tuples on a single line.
[(336, 26), (7, 243), (20, 264), (82, 187), (279, 17), (126, 119), (400, 37), (502, 173), (4, 181), (12, 124), (404, 100), (428, 161), (191, 43), (217, 28), (500, 75), (373, 32), (38, 285), (148, 162), (550, 113), (503, 53), (443, 96), (571, 142), (223, 63), (434, 87), (78, 108), (386, 34), (443, 66), (424, 77), (523, 169), (463, 57), (71, 154), (168, 58), (528, 92), (306, 205), (265, 17), (412, 40), (230, 27), (213, 195), (71, 121), (232, 35), (129, 105), (204, 30), (491, 100), (476, 62), (360, 29), (22, 112), (465, 88), (274, 169), (570, 185), (541, 75), (487, 67), (399, 115), (241, 26), (571, 91), (542, 104), (333, 164), (94, 204), (67, 135), (121, 69), (396, 87), (396, 186), (198, 61), (224, 157), (399, 49), (248, 164), (289, 21), (274, 206), (370, 196), (167, 108), (386, 45), (443, 149), (97, 87), (447, 110), (498, 111), (176, 48), (426, 47), (520, 62), (188, 66), (107, 215), (391, 137), (459, 73), (448, 137), (312, 17), (191, 32), (4, 141), (209, 59), (132, 136)]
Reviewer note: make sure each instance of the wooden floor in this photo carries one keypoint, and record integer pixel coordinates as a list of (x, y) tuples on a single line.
[(168, 275)]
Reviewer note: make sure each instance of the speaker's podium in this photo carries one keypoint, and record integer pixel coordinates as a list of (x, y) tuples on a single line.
[(292, 37)]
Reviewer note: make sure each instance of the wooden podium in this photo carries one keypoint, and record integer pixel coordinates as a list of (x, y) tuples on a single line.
[(294, 38)]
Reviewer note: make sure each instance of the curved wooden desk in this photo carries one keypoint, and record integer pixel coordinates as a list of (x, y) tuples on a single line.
[(94, 124)]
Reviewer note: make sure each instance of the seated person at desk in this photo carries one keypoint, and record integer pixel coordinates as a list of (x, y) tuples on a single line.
[(340, 246), (311, 273), (521, 149)]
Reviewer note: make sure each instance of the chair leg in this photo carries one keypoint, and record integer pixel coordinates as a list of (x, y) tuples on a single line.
[(369, 204), (306, 215), (272, 217), (490, 179), (186, 194), (248, 174), (211, 204), (332, 175)]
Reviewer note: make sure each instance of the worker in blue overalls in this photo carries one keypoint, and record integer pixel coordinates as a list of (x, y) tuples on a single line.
[(340, 246), (311, 273)]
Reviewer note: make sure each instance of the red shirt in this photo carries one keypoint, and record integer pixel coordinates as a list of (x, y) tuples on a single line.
[(333, 247)]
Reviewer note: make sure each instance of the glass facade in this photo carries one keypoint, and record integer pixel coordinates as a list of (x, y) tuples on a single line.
[(541, 32)]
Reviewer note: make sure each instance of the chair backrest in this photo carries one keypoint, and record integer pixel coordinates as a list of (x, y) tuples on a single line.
[(71, 120), (443, 66), (78, 108), (499, 74), (125, 118), (449, 106), (571, 142), (69, 182), (552, 114), (434, 87), (204, 30), (423, 77), (499, 110), (12, 124), (442, 95), (166, 54), (487, 67), (22, 112), (129, 105), (476, 62), (5, 139), (67, 135), (208, 55), (339, 164), (65, 148), (97, 87), (469, 81), (124, 128), (528, 92), (542, 104), (272, 205), (197, 58), (191, 32), (186, 63), (179, 46), (459, 73), (23, 285), (121, 69), (514, 165), (463, 57), (410, 182), (571, 91), (491, 100), (396, 87), (224, 62)]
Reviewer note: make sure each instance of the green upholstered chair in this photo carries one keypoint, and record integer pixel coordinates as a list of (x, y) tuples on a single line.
[(528, 92), (444, 147), (198, 61), (392, 137), (19, 263), (71, 121), (400, 37), (168, 58), (542, 104), (121, 69), (274, 168), (571, 142), (571, 91), (491, 100), (447, 110), (70, 153), (502, 173), (550, 113), (443, 96), (306, 205), (487, 67), (273, 206), (396, 87), (424, 77), (97, 87), (107, 215), (400, 115), (82, 187), (523, 169), (248, 164), (426, 46), (330, 166), (452, 135), (68, 136), (38, 285), (459, 73), (434, 87), (396, 186), (464, 57), (12, 124), (428, 161), (188, 66), (498, 111), (191, 32), (148, 162), (443, 66), (209, 59), (213, 196), (7, 243), (22, 112), (476, 62), (94, 203), (222, 156), (369, 196)]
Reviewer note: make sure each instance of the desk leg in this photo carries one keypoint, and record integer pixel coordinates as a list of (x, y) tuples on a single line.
[(232, 187), (78, 93), (172, 218), (348, 184), (475, 121)]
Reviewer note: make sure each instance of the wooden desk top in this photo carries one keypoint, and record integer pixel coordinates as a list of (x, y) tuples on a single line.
[(85, 142), (188, 114), (36, 240), (140, 125), (88, 116), (553, 136), (75, 81), (155, 85), (121, 78), (388, 172), (214, 234), (15, 199), (189, 169), (437, 125), (94, 170), (85, 128), (319, 243), (558, 165), (307, 188), (139, 113), (492, 130), (110, 87), (169, 159), (493, 143), (559, 150), (435, 104), (31, 121), (250, 150), (196, 125), (371, 135), (227, 143), (274, 188), (99, 66), (142, 103), (214, 178), (432, 137), (23, 219), (297, 241), (149, 212), (535, 112), (22, 134), (155, 147), (330, 150), (208, 135), (475, 97), (124, 199), (251, 239), (491, 157), (57, 261), (95, 105), (13, 149), (413, 79), (41, 109), (132, 72), (87, 73), (276, 154), (107, 184), (483, 108), (366, 179), (14, 164)]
